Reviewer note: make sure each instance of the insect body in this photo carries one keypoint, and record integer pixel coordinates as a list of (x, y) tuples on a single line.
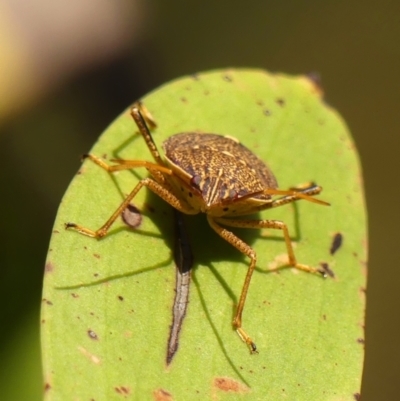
[(215, 175), (219, 173)]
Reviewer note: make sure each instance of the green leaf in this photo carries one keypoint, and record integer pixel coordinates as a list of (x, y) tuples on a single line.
[(107, 305)]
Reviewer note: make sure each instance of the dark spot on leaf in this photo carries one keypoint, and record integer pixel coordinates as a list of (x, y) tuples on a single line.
[(122, 390), (121, 298), (324, 317), (183, 100), (336, 243), (49, 267), (228, 78), (56, 232), (162, 395), (357, 396), (131, 216), (280, 101), (95, 274), (267, 112), (74, 295), (260, 103), (229, 385), (47, 387), (96, 255), (360, 340), (46, 301), (92, 335), (326, 270), (195, 77)]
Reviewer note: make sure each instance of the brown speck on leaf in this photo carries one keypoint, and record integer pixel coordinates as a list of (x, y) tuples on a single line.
[(74, 295), (162, 395), (360, 340), (229, 385), (47, 387), (337, 241), (131, 216), (183, 100), (92, 335), (121, 298), (280, 101), (326, 270), (267, 112), (56, 232), (362, 291), (357, 396), (123, 390), (49, 267), (46, 301), (228, 78), (96, 255)]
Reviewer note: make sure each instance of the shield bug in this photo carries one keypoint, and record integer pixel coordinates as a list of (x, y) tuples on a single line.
[(216, 175)]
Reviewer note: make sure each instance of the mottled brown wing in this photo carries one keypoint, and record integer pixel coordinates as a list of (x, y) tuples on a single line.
[(220, 167)]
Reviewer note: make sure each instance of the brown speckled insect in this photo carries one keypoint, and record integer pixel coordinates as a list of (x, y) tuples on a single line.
[(215, 175)]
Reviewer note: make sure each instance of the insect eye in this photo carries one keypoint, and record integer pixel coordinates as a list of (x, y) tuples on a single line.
[(195, 181), (232, 194)]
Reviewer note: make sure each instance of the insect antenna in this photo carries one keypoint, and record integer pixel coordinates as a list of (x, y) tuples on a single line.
[(142, 117)]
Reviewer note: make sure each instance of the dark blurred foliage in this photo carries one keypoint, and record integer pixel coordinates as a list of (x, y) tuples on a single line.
[(354, 46)]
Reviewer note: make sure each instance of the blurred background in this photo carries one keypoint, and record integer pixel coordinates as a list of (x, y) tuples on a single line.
[(67, 69)]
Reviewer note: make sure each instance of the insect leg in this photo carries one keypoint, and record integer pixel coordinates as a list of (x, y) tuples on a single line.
[(154, 186), (295, 194), (274, 224), (247, 250), (122, 164)]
